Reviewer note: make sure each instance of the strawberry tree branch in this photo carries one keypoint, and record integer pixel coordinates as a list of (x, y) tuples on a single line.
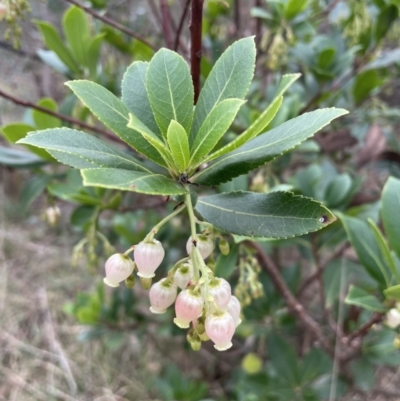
[(112, 23), (180, 26), (196, 44)]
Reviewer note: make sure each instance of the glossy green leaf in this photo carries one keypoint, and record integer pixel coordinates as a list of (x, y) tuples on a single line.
[(262, 121), (294, 7), (266, 147), (124, 180), (170, 90), (114, 114), (393, 292), (230, 78), (94, 53), (364, 83), (363, 241), (179, 145), (213, 128), (53, 42), (81, 150), (337, 190), (16, 131), (390, 211), (273, 215), (76, 30), (359, 297), (43, 120), (385, 20), (134, 95), (19, 159)]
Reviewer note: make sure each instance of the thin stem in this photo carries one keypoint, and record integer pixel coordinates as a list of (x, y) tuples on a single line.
[(237, 17), (196, 45), (192, 217), (111, 22), (63, 117), (180, 26), (166, 23)]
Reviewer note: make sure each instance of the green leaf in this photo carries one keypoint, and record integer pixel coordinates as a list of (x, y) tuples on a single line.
[(81, 150), (364, 83), (151, 137), (359, 297), (230, 78), (294, 7), (273, 215), (32, 189), (262, 121), (53, 42), (363, 241), (170, 90), (213, 128), (337, 190), (393, 292), (43, 120), (94, 53), (16, 131), (363, 373), (19, 159), (124, 180), (134, 95), (179, 145), (390, 212), (76, 30), (384, 21), (266, 147), (385, 60), (114, 114)]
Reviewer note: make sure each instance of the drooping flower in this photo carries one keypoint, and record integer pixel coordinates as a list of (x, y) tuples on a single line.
[(148, 256), (234, 308), (188, 306), (183, 275), (220, 328), (162, 295), (205, 245), (118, 268), (220, 290)]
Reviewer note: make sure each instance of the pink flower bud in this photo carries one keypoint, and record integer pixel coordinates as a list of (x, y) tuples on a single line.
[(118, 268), (3, 11), (148, 256), (183, 275), (188, 307), (220, 290), (234, 308), (205, 246), (220, 329), (162, 295)]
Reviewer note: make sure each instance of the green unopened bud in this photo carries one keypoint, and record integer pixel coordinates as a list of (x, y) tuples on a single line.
[(251, 364), (211, 265), (194, 340), (199, 326), (146, 282), (130, 281), (224, 246), (396, 342)]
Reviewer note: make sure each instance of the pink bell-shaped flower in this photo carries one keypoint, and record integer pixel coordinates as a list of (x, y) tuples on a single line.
[(118, 268), (234, 308), (221, 292), (188, 306), (148, 256), (220, 328), (162, 295), (204, 245), (183, 275)]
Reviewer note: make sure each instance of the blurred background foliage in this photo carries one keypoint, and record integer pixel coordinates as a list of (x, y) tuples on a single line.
[(66, 337)]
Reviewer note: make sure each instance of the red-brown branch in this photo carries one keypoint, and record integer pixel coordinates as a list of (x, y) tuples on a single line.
[(180, 26), (196, 45)]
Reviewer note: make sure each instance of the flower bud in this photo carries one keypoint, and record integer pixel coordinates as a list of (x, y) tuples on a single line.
[(199, 326), (393, 318), (220, 328), (118, 268), (220, 290), (188, 307), (130, 281), (162, 295), (52, 214), (148, 256), (234, 308), (204, 244), (194, 340), (183, 275), (224, 246), (146, 282)]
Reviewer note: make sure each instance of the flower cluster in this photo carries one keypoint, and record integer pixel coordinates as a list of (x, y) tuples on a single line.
[(202, 300)]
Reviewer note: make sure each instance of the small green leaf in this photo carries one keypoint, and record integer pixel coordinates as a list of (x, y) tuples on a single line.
[(43, 120), (266, 147), (179, 145), (124, 180), (364, 83), (19, 159), (81, 150), (76, 30), (385, 20), (94, 53), (295, 7), (170, 90), (114, 114), (359, 297), (134, 95), (53, 42), (390, 212), (262, 121), (230, 78), (213, 128), (273, 215), (393, 292), (337, 190)]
